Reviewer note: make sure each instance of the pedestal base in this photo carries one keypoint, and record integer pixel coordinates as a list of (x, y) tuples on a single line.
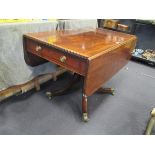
[(75, 78)]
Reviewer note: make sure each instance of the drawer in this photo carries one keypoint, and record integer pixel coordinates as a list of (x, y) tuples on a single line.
[(67, 60)]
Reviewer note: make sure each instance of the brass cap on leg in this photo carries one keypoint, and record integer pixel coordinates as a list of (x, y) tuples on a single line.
[(153, 112), (85, 117)]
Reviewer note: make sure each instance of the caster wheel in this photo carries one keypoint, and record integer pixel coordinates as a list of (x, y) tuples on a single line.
[(85, 117), (49, 95), (112, 91)]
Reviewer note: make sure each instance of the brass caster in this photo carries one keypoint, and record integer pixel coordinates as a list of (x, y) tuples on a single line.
[(49, 95), (106, 91), (153, 112), (112, 91), (85, 117)]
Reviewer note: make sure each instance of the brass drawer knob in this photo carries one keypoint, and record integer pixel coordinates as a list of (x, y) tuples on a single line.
[(38, 48), (63, 59)]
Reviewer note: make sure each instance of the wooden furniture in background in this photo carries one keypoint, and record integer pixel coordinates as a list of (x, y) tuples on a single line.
[(110, 23), (113, 24), (95, 54), (122, 27), (34, 83)]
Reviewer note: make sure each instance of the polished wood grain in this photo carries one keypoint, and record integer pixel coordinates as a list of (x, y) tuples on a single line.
[(31, 59), (104, 67), (84, 43), (96, 54), (71, 62)]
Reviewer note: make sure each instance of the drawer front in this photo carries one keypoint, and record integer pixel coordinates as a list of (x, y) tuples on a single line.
[(58, 57)]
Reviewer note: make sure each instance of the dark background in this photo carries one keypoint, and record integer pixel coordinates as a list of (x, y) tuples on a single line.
[(144, 30)]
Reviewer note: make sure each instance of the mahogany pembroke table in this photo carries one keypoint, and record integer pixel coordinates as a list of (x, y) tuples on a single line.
[(94, 54)]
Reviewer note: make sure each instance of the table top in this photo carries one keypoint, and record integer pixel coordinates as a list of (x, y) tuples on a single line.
[(87, 43)]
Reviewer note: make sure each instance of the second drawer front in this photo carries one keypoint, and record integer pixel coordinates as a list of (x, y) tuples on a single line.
[(72, 63)]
